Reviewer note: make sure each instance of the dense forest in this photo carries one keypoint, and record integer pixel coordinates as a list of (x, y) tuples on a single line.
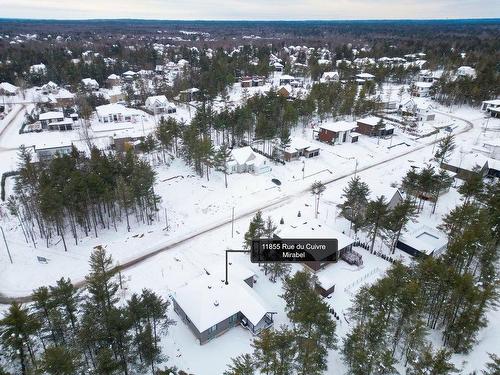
[(67, 331), (81, 195)]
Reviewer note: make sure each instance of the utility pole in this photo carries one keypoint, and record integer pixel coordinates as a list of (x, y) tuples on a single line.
[(6, 246), (232, 224), (166, 218), (434, 143)]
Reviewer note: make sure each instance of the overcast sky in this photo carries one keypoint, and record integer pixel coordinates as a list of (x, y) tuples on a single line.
[(249, 9)]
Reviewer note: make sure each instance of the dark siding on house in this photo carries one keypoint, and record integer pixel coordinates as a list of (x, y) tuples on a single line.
[(326, 135), (186, 320), (408, 249)]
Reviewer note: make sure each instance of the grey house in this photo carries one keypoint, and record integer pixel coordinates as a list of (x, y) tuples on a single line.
[(209, 307), (392, 196)]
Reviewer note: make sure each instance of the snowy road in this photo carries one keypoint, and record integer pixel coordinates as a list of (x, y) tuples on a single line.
[(277, 202), (19, 109)]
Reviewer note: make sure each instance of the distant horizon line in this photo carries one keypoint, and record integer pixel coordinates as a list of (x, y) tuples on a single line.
[(2, 19)]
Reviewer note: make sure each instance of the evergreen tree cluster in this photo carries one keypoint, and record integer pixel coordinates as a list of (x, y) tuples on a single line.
[(81, 195), (260, 229), (66, 331), (450, 293), (470, 90), (299, 349)]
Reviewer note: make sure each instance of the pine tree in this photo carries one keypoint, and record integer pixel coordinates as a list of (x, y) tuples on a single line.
[(314, 327), (377, 212), (221, 159), (317, 189), (442, 182), (493, 367), (58, 360), (432, 363), (274, 351), (241, 365), (17, 329), (397, 220), (106, 364), (67, 297), (356, 199), (255, 230), (445, 148), (264, 356), (473, 186)]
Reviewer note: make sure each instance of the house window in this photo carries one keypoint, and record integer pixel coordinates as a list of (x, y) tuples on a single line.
[(212, 330), (233, 318)]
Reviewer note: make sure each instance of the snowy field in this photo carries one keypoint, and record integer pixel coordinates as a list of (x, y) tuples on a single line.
[(194, 229)]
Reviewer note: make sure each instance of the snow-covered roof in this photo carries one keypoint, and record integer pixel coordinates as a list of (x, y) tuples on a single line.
[(314, 229), (286, 77), (339, 126), (492, 102), (424, 85), (64, 121), (371, 120), (425, 239), (64, 94), (38, 68), (90, 82), (207, 300), (157, 100), (494, 164), (191, 90), (467, 161), (113, 76), (242, 155), (298, 144), (50, 84), (111, 109), (466, 71), (330, 75), (50, 115), (365, 75), (129, 73), (8, 87), (378, 189)]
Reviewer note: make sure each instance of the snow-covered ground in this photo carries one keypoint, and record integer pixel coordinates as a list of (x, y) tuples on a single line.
[(198, 212)]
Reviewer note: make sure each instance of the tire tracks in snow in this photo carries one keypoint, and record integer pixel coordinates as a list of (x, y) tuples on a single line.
[(275, 203)]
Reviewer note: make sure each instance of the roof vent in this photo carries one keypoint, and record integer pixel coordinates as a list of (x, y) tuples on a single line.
[(210, 287), (216, 303)]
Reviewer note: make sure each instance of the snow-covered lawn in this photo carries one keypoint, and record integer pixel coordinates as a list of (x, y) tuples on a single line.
[(196, 206)]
